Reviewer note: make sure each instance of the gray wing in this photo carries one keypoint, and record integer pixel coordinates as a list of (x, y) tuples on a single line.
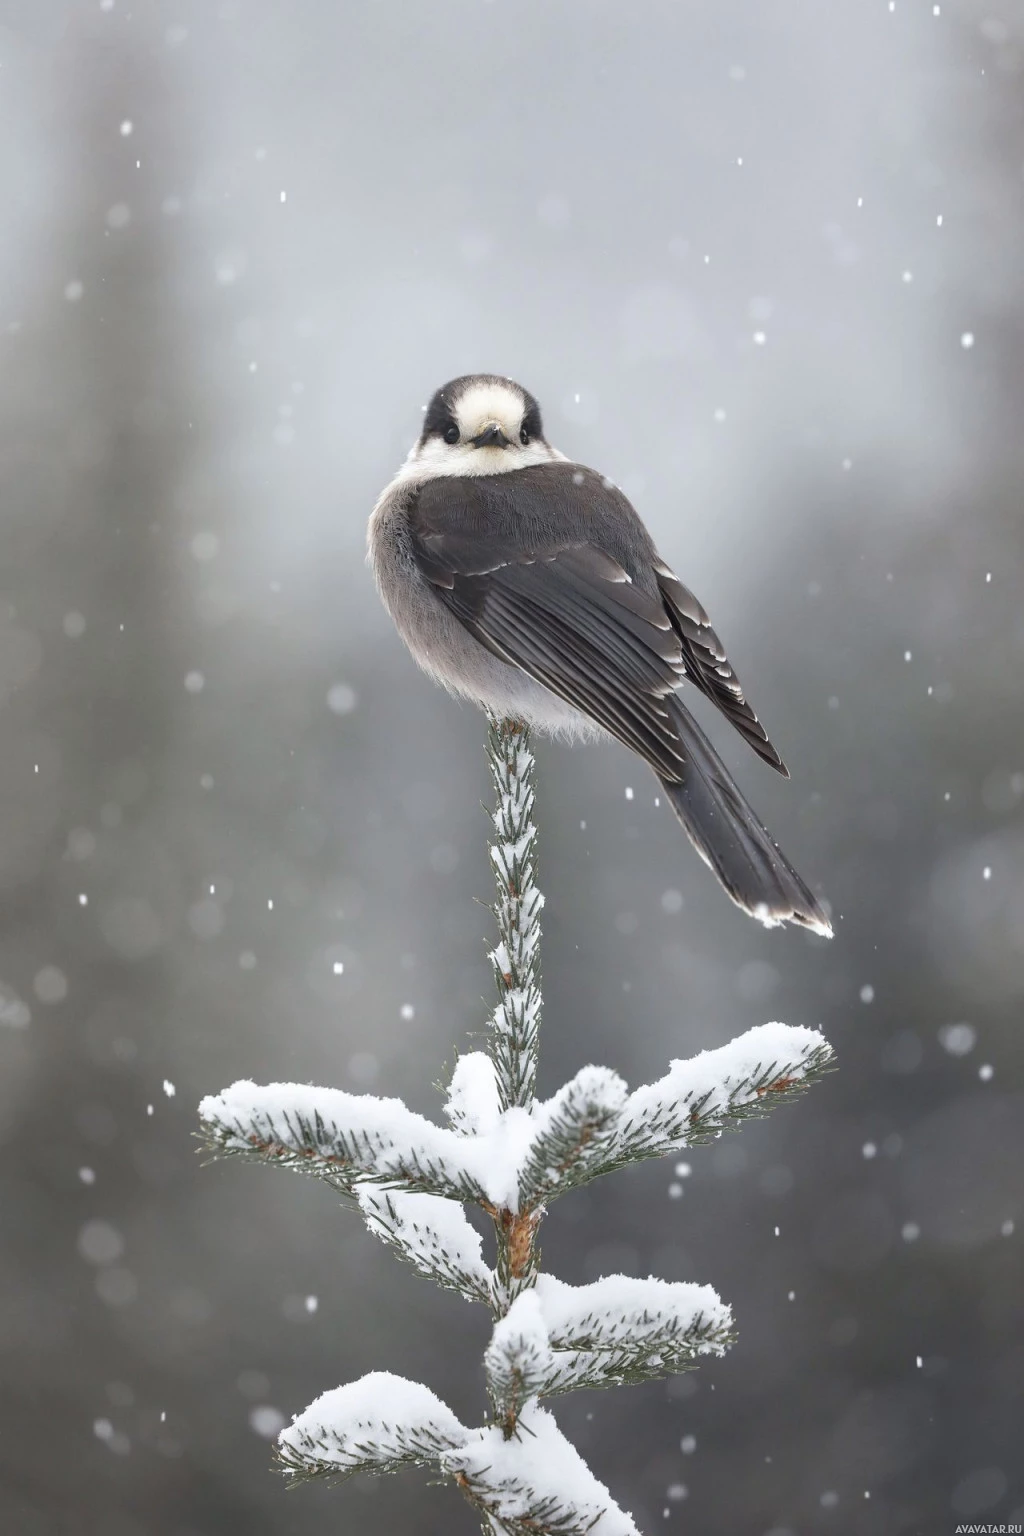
[(551, 569), (708, 668)]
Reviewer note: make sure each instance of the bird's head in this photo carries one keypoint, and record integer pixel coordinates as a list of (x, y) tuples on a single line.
[(480, 424)]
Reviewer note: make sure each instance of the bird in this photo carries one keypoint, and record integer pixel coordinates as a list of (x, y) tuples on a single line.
[(527, 583)]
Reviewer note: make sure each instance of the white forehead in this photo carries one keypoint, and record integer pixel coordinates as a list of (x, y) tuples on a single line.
[(490, 400)]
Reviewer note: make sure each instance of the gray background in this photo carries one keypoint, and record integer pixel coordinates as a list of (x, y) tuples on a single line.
[(203, 710)]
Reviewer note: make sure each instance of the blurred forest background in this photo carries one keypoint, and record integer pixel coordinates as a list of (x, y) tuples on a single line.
[(762, 261)]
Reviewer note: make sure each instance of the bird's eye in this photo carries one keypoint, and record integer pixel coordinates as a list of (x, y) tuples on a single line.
[(451, 433), (524, 437)]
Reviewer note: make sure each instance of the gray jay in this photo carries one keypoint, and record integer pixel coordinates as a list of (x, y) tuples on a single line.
[(528, 583)]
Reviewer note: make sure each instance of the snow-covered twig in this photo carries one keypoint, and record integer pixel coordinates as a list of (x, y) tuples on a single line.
[(515, 1023), (344, 1138), (380, 1423), (432, 1235), (535, 1483), (693, 1103), (510, 1155), (514, 1040), (616, 1331)]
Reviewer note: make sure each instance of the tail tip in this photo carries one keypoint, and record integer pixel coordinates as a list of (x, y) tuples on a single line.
[(814, 918)]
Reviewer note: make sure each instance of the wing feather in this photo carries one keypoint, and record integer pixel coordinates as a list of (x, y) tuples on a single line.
[(708, 666), (556, 574)]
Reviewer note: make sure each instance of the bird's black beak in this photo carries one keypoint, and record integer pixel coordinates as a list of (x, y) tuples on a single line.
[(491, 437)]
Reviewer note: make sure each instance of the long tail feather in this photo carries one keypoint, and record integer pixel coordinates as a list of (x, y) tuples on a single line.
[(732, 841)]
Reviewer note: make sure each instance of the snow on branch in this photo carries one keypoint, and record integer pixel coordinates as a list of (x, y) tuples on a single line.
[(556, 1338), (535, 1483), (606, 1313), (572, 1134), (593, 1125), (431, 1234), (519, 1361), (620, 1330), (531, 1484), (341, 1137), (697, 1099), (472, 1106), (380, 1423)]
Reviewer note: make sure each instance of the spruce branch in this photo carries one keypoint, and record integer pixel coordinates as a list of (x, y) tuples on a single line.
[(535, 1483), (343, 1138), (519, 1361), (619, 1330), (574, 1134), (593, 1125), (717, 1090), (619, 1310), (556, 1338), (431, 1234), (380, 1423), (515, 1022), (514, 1043)]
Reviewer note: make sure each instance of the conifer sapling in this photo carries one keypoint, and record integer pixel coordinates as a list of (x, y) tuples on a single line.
[(512, 1155)]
